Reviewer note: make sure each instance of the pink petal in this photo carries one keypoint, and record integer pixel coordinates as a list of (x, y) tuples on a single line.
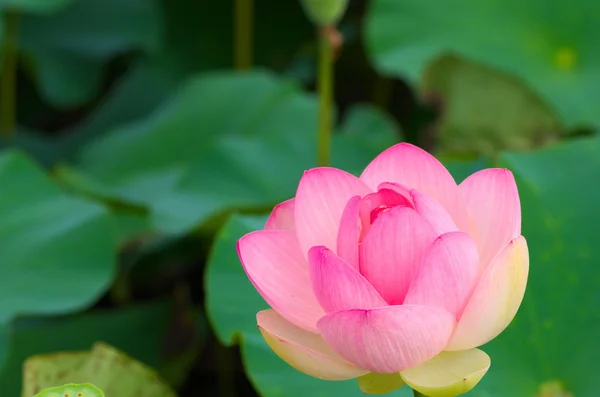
[(448, 274), (320, 200), (374, 204), (282, 217), (349, 233), (358, 216), (400, 189), (496, 298), (414, 168), (388, 339), (433, 212), (303, 350), (494, 208), (337, 285), (277, 269), (391, 252)]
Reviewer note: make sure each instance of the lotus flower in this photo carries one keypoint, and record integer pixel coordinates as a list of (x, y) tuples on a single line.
[(394, 277)]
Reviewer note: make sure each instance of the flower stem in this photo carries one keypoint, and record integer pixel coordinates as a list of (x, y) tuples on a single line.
[(9, 73), (325, 89), (244, 29)]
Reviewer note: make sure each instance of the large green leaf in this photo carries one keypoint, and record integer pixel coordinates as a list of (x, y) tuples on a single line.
[(68, 50), (232, 304), (192, 160), (58, 252), (550, 45), (133, 96), (138, 93), (554, 337)]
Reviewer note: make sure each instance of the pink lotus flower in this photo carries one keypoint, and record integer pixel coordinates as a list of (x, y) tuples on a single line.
[(394, 277)]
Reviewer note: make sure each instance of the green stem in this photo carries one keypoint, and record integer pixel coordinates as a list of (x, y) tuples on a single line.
[(417, 394), (9, 73), (244, 29), (325, 89)]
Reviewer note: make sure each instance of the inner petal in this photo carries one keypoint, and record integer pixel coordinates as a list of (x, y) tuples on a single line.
[(373, 205), (433, 212), (360, 213), (391, 252)]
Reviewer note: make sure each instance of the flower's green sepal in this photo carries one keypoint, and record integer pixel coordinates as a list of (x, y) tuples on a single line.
[(449, 374)]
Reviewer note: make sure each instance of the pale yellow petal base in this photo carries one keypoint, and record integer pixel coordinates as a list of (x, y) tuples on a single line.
[(373, 383), (496, 299), (303, 350), (449, 374)]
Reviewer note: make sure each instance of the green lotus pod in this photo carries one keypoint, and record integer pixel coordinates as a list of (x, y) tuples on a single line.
[(324, 12), (72, 390)]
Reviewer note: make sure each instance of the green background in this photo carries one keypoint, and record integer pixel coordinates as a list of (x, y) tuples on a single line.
[(142, 151)]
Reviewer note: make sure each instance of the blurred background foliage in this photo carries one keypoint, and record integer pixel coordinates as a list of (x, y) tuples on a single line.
[(141, 138)]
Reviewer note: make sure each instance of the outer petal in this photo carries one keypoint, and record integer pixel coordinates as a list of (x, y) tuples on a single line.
[(496, 299), (282, 217), (388, 339), (374, 383), (337, 285), (494, 208), (448, 274), (449, 374), (305, 351), (391, 252), (274, 264), (414, 168), (349, 233), (320, 200), (433, 212)]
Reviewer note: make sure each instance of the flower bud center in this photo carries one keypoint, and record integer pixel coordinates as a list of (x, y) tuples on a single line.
[(378, 211), (375, 204)]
